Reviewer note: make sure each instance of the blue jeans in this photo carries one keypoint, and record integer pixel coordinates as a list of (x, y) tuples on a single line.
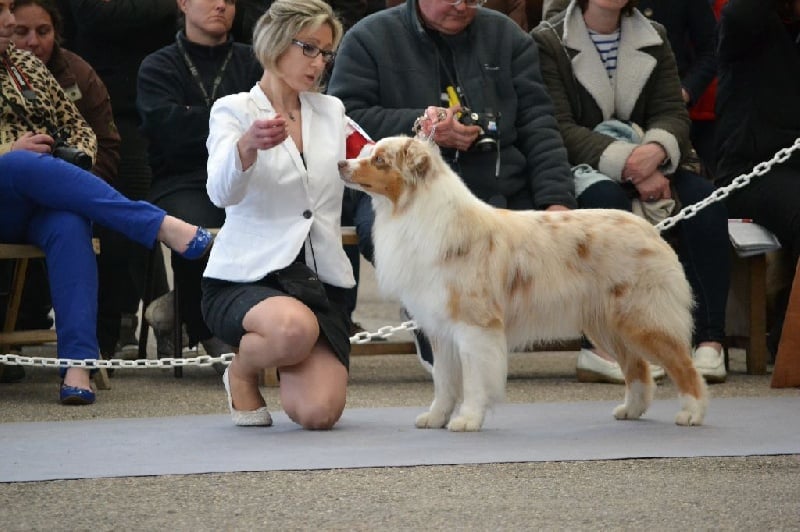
[(701, 244), (52, 204)]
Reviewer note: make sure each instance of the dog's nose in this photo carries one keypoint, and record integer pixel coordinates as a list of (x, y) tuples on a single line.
[(342, 164)]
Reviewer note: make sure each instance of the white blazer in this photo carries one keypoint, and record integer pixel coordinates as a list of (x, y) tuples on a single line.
[(279, 205)]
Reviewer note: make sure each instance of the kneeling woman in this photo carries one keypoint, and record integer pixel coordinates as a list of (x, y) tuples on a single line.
[(50, 203), (277, 274)]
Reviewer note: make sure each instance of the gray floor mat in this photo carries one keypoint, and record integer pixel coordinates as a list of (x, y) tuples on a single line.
[(379, 437)]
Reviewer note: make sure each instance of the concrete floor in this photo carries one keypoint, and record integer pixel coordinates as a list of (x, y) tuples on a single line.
[(749, 493)]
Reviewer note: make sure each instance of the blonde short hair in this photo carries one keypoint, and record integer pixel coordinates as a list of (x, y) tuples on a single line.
[(284, 19)]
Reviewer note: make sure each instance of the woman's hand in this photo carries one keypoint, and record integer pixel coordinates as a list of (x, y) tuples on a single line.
[(643, 161), (261, 135), (449, 132), (36, 142), (654, 188)]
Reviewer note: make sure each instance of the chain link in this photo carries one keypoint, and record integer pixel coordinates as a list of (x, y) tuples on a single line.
[(387, 330), (719, 194)]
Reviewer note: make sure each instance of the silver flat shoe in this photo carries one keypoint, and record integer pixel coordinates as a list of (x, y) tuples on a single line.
[(245, 418)]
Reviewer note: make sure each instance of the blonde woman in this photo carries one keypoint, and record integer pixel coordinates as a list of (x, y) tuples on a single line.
[(275, 282)]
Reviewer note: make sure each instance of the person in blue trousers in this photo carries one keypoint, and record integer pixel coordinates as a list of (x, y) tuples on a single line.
[(51, 203)]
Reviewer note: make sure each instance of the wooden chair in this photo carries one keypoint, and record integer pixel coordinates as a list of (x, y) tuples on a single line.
[(22, 254)]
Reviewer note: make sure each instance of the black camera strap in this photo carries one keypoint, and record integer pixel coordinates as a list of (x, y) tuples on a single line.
[(196, 73)]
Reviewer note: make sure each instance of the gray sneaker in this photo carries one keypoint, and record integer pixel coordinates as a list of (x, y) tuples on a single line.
[(128, 345), (165, 347), (160, 312)]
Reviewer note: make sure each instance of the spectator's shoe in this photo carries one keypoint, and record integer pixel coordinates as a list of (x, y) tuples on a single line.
[(245, 418), (160, 312), (12, 373), (592, 367), (71, 395), (199, 245), (423, 345), (710, 363), (215, 347), (128, 345), (165, 347)]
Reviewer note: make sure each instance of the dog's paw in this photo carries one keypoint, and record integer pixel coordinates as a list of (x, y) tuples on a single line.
[(429, 420), (686, 418), (464, 424), (624, 411)]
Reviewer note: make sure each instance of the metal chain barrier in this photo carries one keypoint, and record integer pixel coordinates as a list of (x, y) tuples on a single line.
[(387, 330), (168, 362)]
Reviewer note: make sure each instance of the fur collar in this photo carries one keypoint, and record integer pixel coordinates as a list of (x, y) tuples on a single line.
[(633, 66)]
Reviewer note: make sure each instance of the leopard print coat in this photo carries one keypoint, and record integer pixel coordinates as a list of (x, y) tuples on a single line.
[(50, 106)]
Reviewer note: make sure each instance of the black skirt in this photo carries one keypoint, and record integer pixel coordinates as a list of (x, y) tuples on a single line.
[(225, 304)]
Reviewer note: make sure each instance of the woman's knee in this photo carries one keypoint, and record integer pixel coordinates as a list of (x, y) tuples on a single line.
[(290, 327), (316, 415)]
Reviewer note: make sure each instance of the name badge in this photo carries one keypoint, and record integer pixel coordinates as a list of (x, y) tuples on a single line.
[(73, 93)]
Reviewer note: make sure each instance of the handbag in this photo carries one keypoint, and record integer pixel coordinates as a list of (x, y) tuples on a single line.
[(302, 283)]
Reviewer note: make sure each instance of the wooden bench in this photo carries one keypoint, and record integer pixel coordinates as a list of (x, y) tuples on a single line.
[(22, 254), (748, 296)]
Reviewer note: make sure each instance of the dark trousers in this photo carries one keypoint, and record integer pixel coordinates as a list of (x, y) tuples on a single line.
[(194, 206), (122, 264), (701, 243)]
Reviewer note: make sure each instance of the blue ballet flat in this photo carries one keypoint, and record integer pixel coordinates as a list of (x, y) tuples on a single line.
[(71, 395), (199, 245)]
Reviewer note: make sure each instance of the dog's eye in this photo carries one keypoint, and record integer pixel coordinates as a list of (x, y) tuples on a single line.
[(378, 160)]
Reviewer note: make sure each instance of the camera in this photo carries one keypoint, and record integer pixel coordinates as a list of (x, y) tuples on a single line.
[(68, 153), (488, 138), (72, 155)]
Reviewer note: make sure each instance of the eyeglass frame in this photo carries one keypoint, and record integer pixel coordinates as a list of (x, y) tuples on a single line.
[(311, 51), (474, 4)]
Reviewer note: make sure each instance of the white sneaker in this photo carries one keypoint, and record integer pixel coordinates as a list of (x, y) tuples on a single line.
[(592, 367), (710, 363)]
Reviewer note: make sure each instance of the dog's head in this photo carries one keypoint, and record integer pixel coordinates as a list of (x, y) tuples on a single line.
[(394, 169)]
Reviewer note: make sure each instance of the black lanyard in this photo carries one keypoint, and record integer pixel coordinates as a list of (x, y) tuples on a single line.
[(196, 75)]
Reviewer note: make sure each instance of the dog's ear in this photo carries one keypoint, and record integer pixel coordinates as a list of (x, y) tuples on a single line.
[(418, 158)]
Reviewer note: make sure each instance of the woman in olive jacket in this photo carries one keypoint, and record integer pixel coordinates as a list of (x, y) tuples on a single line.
[(644, 89)]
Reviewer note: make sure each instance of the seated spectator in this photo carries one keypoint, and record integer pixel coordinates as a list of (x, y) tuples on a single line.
[(515, 9), (445, 56), (759, 113), (114, 37), (692, 30), (277, 276), (602, 61), (176, 87), (38, 30)]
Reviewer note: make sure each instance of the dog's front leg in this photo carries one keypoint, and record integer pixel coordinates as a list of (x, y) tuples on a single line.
[(446, 386), (484, 365)]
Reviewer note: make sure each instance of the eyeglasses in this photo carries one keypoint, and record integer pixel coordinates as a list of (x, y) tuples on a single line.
[(469, 3), (309, 50)]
